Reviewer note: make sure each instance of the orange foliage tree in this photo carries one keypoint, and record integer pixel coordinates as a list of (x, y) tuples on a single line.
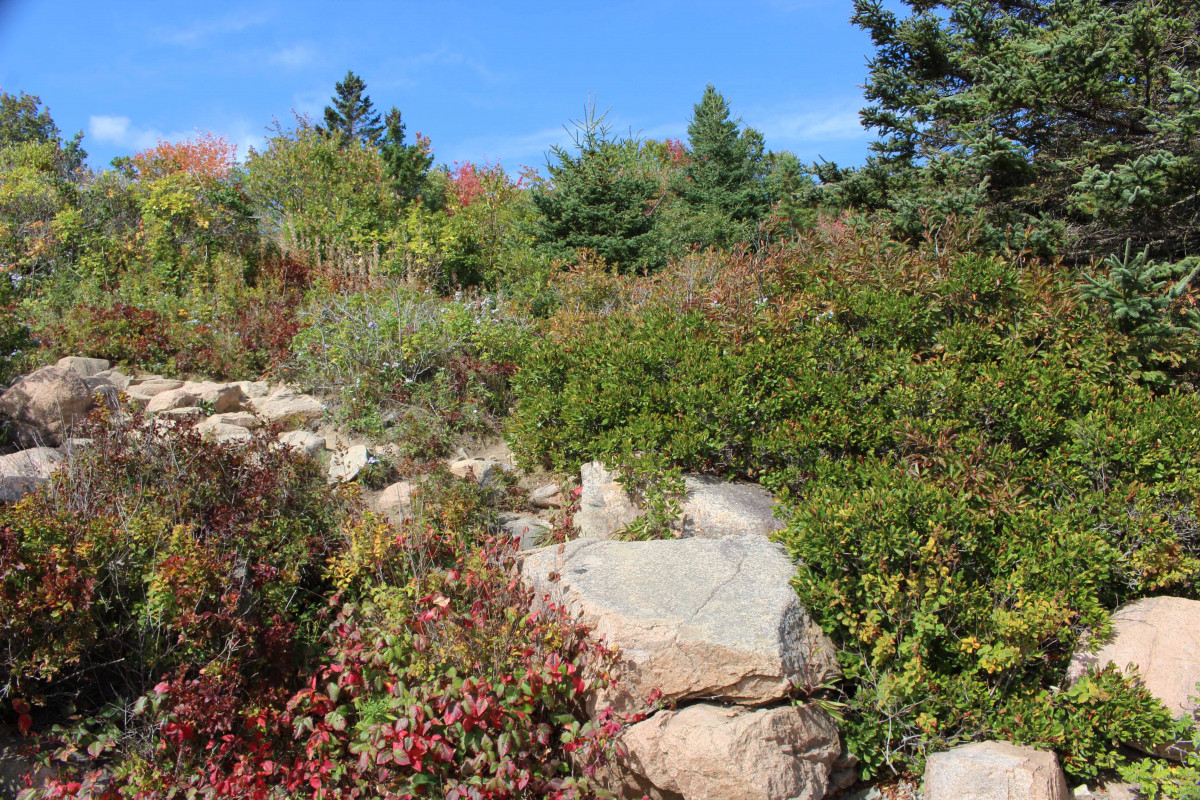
[(206, 155)]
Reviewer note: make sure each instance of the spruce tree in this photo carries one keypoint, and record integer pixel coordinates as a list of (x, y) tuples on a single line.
[(352, 117), (725, 171), (405, 165), (1062, 124), (601, 197)]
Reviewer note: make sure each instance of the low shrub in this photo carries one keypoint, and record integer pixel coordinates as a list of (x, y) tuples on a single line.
[(974, 467), (460, 692), (155, 551), (422, 368), (214, 620), (244, 342)]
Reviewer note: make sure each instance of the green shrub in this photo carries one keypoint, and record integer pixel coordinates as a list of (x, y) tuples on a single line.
[(1158, 778), (407, 361), (975, 472)]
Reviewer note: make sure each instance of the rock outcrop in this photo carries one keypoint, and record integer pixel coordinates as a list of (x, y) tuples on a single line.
[(605, 507), (307, 442), (1159, 639), (692, 618), (45, 404), (83, 367), (345, 466), (712, 507), (994, 771), (528, 531), (483, 471), (547, 496)]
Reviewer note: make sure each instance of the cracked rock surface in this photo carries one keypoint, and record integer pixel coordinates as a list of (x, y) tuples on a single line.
[(694, 618)]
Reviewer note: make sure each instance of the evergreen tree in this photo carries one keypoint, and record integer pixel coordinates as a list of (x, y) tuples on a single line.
[(726, 168), (406, 165), (352, 117), (601, 197), (1065, 122)]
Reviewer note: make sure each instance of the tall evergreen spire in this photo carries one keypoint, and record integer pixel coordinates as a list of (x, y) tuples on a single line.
[(352, 115)]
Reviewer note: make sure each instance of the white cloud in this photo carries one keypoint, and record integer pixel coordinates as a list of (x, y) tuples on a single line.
[(202, 30), (294, 57), (835, 124), (121, 132), (524, 147)]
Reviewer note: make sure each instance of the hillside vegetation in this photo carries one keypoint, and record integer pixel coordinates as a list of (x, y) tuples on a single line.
[(968, 368)]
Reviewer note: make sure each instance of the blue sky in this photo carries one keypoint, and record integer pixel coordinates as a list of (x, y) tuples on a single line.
[(482, 79)]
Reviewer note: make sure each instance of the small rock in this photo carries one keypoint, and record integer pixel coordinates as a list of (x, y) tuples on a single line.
[(46, 404), (844, 772), (116, 378), (344, 467), (694, 618), (222, 397), (547, 496), (243, 419), (255, 389), (83, 367), (604, 506), (219, 421), (994, 771), (181, 413), (171, 398), (1121, 791), (396, 497), (870, 793), (103, 391), (226, 433), (1160, 637), (153, 385), (708, 751), (24, 471), (287, 407), (528, 530), (75, 443), (305, 441), (713, 507), (485, 472)]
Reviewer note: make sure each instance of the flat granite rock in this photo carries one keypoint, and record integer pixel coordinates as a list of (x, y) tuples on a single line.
[(692, 618)]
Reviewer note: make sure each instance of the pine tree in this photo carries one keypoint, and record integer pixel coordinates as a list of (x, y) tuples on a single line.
[(352, 117), (406, 165), (726, 168)]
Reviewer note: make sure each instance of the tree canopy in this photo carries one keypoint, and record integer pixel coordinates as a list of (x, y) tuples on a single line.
[(1070, 123)]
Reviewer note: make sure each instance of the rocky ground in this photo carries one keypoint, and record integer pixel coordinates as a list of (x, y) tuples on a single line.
[(717, 657)]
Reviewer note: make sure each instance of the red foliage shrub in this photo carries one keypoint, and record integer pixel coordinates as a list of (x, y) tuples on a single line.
[(461, 693), (252, 340)]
